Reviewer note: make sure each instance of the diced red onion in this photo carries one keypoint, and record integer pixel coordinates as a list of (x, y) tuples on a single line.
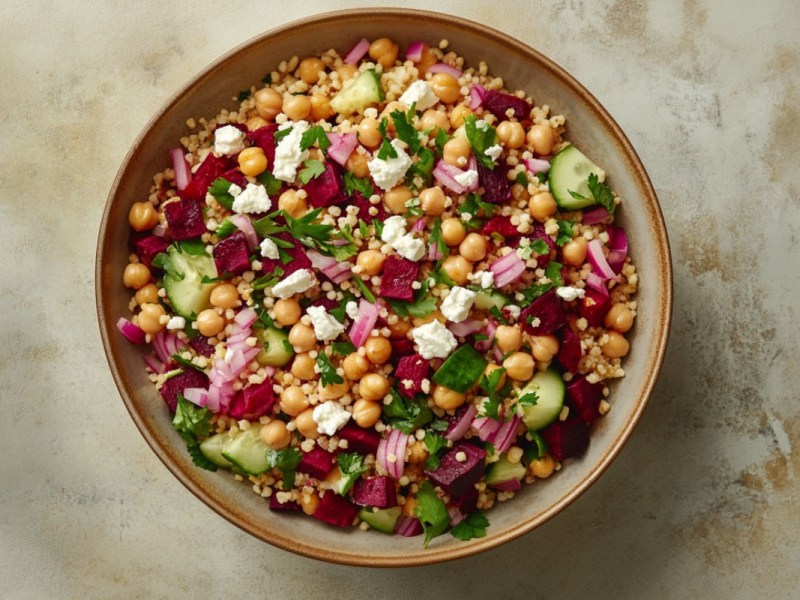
[(507, 269), (415, 50), (457, 432), (408, 526), (342, 146), (445, 174), (363, 324), (320, 261), (159, 230), (498, 354), (357, 53), (456, 516), (536, 165), (155, 365), (183, 174), (394, 444), (594, 281), (133, 333), (618, 247), (510, 485), (594, 215), (506, 434), (246, 317), (165, 345), (198, 396), (419, 225), (335, 271), (433, 252), (441, 67), (476, 96), (484, 345), (465, 327), (238, 338), (486, 428), (594, 251), (246, 227)]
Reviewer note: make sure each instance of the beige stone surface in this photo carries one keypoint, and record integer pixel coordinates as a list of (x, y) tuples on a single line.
[(704, 501)]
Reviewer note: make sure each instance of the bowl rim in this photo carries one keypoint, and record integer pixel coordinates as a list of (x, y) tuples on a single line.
[(431, 555)]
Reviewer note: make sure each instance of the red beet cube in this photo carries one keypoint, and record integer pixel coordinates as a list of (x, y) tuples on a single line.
[(498, 104), (363, 204), (456, 477), (201, 346), (584, 398), (566, 439), (398, 275), (400, 348), (258, 399), (363, 441), (466, 503), (211, 168), (298, 261), (502, 225), (594, 307), (410, 372), (290, 506), (190, 378), (375, 491), (185, 219), (497, 188), (549, 312), (328, 188), (147, 246), (264, 138), (317, 463), (335, 510), (569, 352), (231, 254)]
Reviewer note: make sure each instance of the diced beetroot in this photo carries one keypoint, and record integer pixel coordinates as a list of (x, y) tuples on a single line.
[(185, 219), (299, 258), (363, 441), (398, 275), (539, 233), (457, 477), (547, 308), (264, 138), (146, 246), (175, 385), (363, 204), (258, 399), (498, 103), (211, 168), (201, 346), (231, 254), (328, 188), (236, 176), (594, 307), (468, 502), (497, 188), (325, 302), (335, 510), (410, 372), (400, 348), (290, 506), (569, 351), (317, 463), (379, 492), (566, 438), (502, 225), (585, 398)]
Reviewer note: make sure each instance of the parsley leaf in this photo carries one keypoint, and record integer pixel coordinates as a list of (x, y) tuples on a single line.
[(266, 281), (564, 233), (386, 150), (327, 372), (480, 140), (193, 247), (474, 206), (365, 291), (436, 238), (307, 231), (282, 133), (343, 348), (601, 193), (528, 399), (405, 414), (421, 306), (522, 179), (243, 95), (473, 526), (553, 272), (311, 170), (286, 462), (441, 139), (434, 443), (539, 246), (537, 450), (193, 423), (357, 184), (491, 385), (219, 189), (340, 311), (431, 512), (185, 363), (314, 134), (270, 183), (225, 229), (405, 130), (352, 467), (423, 167)]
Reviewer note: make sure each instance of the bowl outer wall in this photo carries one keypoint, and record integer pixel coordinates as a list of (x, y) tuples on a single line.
[(589, 126)]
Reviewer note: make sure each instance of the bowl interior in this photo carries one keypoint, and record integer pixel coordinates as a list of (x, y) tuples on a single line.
[(589, 126)]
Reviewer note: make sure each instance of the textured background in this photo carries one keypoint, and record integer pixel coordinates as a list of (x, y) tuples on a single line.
[(703, 500)]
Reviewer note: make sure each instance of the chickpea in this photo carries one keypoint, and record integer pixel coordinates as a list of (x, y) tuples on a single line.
[(519, 193), (616, 346), (303, 367), (447, 399), (355, 366), (508, 338), (544, 347), (287, 311), (268, 103), (147, 293), (366, 413), (210, 322), (293, 400), (252, 161), (457, 268), (456, 151), (418, 453), (432, 201), (379, 349), (519, 366), (370, 261), (225, 295), (373, 386), (357, 164), (511, 134), (321, 107), (369, 133), (393, 106), (254, 123), (384, 51), (458, 114), (275, 435), (543, 467), (428, 59), (333, 391), (445, 87), (143, 216), (491, 367), (310, 69), (297, 107), (292, 203), (306, 424), (399, 330), (309, 503), (434, 120), (453, 232), (542, 206), (410, 507), (619, 318), (395, 199), (136, 275), (149, 319), (346, 72), (541, 138), (302, 337), (574, 251), (473, 248)]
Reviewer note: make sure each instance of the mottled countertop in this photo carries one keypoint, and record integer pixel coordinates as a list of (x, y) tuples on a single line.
[(704, 501)]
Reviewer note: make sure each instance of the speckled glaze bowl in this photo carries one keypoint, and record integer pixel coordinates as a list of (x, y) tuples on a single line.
[(589, 126)]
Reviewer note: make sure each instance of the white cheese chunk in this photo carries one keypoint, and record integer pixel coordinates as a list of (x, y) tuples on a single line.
[(434, 340), (393, 229), (457, 304), (269, 249), (467, 178), (176, 323), (410, 247), (252, 199), (326, 327), (228, 140), (570, 293), (288, 154), (330, 417), (296, 283), (494, 152), (388, 172), (421, 93), (351, 308)]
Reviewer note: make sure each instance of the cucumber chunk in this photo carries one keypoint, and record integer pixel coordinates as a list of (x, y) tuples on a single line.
[(549, 386), (486, 299), (383, 520), (365, 90), (275, 348), (183, 276), (247, 451), (504, 470), (212, 449), (461, 370), (569, 172)]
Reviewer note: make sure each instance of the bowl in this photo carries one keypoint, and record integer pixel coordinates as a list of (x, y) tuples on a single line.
[(590, 127)]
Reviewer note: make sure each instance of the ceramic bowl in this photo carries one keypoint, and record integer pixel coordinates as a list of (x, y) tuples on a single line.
[(590, 127)]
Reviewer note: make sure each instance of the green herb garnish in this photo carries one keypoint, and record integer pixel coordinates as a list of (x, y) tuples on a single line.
[(327, 372), (286, 462), (473, 526), (193, 423), (480, 140), (431, 512), (352, 467)]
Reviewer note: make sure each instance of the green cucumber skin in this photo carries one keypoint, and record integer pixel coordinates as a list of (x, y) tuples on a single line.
[(360, 93), (383, 520), (248, 452), (212, 449), (550, 388), (505, 470), (486, 299), (274, 353), (569, 171), (461, 370), (189, 296)]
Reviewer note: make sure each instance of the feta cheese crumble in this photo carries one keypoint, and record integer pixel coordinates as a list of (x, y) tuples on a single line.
[(393, 229), (288, 154), (296, 283), (228, 140), (434, 340), (252, 199), (457, 304), (176, 323), (421, 93), (234, 190), (467, 178), (405, 244), (388, 172), (351, 308), (485, 279), (494, 152), (326, 327), (269, 249), (513, 311), (330, 417), (570, 293)]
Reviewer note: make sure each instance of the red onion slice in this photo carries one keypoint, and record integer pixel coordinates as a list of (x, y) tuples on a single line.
[(594, 215), (457, 432), (155, 365), (408, 526), (133, 333), (198, 396), (183, 174), (506, 434), (594, 281), (484, 345), (415, 50), (246, 227), (476, 96), (445, 174), (618, 247), (357, 53), (245, 318), (507, 269), (465, 327), (594, 250), (441, 67), (536, 165), (363, 324), (342, 146), (511, 485)]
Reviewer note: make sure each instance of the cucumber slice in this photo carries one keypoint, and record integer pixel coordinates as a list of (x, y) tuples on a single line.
[(569, 171), (504, 470), (212, 449), (275, 348), (461, 370), (486, 299), (549, 386), (247, 451), (183, 276), (383, 520), (365, 90)]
